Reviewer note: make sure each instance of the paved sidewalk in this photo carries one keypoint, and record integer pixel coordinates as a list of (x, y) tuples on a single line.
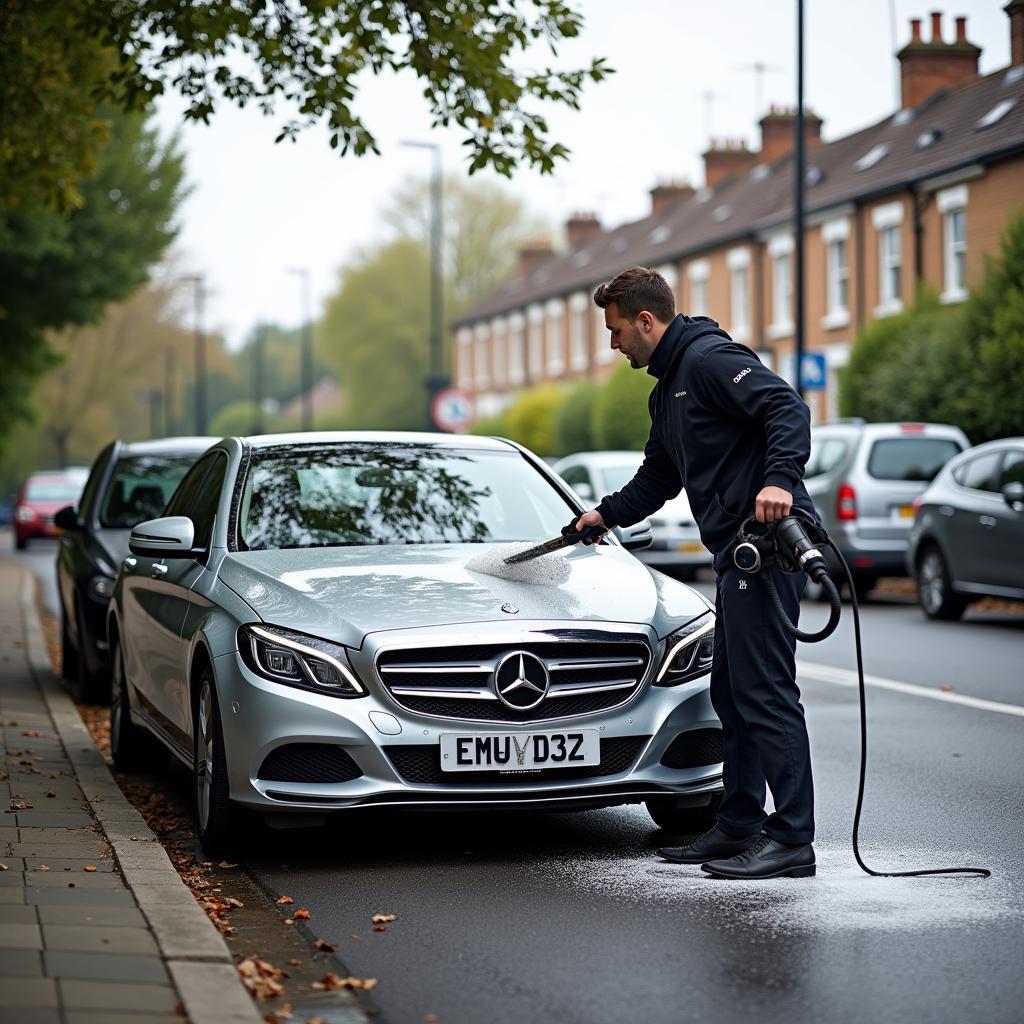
[(96, 927)]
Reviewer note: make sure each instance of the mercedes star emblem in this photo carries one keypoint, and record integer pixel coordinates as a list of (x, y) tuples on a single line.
[(509, 609), (521, 681)]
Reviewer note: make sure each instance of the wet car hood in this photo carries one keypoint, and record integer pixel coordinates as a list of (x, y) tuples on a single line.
[(345, 593)]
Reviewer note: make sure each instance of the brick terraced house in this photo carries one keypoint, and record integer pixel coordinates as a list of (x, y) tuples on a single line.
[(921, 196)]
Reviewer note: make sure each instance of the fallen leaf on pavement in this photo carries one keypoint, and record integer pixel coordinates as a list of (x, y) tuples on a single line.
[(357, 938), (284, 901), (301, 915), (42, 867), (283, 1012), (384, 918), (89, 867), (331, 981), (232, 902), (294, 963), (31, 732), (3, 867), (379, 928), (260, 977), (324, 946), (20, 805), (225, 864), (317, 1020), (50, 793), (946, 689), (289, 920)]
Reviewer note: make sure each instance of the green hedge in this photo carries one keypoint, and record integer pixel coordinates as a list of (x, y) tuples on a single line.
[(619, 417)]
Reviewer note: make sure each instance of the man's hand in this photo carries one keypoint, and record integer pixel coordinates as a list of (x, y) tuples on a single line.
[(591, 518), (771, 505)]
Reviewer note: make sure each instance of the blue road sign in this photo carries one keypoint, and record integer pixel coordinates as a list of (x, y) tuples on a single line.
[(813, 375)]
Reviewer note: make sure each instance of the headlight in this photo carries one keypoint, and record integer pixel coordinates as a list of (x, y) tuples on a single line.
[(298, 660), (690, 651), (101, 588), (25, 514)]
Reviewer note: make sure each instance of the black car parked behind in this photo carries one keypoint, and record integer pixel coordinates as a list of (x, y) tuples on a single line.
[(128, 483)]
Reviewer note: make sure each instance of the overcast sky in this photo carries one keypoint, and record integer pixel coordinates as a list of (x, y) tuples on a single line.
[(258, 209)]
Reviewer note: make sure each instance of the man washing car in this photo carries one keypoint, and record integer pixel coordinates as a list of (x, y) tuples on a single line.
[(737, 437)]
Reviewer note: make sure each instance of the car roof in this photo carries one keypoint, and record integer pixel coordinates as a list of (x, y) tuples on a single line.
[(988, 446), (322, 437), (168, 445)]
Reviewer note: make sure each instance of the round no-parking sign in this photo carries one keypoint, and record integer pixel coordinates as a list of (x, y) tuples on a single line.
[(452, 410)]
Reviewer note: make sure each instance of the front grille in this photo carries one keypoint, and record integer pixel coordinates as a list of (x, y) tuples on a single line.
[(694, 749), (309, 762), (421, 763), (586, 676)]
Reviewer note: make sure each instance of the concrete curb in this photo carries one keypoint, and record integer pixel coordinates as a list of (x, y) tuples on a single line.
[(196, 955)]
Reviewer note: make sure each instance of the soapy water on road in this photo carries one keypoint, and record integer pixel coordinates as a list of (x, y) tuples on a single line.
[(840, 898), (548, 570)]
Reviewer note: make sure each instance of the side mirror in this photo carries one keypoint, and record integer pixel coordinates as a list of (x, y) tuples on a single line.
[(584, 491), (1013, 495), (67, 518), (636, 537), (169, 537)]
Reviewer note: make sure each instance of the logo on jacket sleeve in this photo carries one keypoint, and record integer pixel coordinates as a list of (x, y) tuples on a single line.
[(739, 376)]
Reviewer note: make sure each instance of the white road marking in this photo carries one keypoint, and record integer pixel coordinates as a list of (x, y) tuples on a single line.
[(846, 677)]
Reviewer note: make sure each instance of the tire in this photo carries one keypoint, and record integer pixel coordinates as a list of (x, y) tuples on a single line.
[(20, 542), (935, 591), (93, 687), (68, 651), (127, 740), (687, 820), (862, 587), (220, 824)]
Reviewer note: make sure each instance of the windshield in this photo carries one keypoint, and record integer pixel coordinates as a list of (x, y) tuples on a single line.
[(910, 458), (353, 494), (53, 490), (826, 454), (616, 477), (141, 487)]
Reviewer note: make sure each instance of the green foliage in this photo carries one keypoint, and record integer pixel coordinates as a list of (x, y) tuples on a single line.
[(49, 128), (574, 419), (530, 420), (466, 55), (57, 270), (899, 368), (236, 419), (491, 426), (620, 419), (374, 332)]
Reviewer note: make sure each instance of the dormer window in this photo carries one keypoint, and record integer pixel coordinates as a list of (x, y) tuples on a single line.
[(928, 137), (659, 234), (999, 111), (812, 176), (872, 157)]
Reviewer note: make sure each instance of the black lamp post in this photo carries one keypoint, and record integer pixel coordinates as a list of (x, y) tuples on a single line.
[(799, 172)]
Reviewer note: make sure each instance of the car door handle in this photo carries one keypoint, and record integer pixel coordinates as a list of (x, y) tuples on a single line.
[(159, 569), (130, 562), (987, 521)]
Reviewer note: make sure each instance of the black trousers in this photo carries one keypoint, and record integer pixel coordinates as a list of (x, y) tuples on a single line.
[(754, 693)]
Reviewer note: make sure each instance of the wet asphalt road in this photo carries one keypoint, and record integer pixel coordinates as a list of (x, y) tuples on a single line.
[(570, 918)]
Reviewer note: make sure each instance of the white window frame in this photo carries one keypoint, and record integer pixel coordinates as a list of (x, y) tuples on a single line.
[(952, 201), (554, 335), (499, 354), (481, 375), (517, 349), (698, 273), (464, 357), (887, 220), (738, 262), (535, 341), (836, 236), (603, 350), (780, 251), (578, 304), (671, 275)]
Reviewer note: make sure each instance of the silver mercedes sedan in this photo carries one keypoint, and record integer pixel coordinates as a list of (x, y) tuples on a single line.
[(310, 628)]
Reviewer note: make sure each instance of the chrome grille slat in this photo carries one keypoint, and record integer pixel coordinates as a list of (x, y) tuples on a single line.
[(584, 663), (435, 669), (460, 692), (569, 689)]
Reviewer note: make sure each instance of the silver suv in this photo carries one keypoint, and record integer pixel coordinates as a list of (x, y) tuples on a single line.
[(864, 478)]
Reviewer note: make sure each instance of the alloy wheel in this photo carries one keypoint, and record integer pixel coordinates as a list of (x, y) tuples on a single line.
[(931, 582), (116, 699), (204, 753)]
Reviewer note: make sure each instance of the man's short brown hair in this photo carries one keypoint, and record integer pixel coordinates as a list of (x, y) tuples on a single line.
[(635, 290)]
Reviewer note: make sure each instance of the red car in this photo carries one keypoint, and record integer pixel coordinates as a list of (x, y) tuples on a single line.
[(41, 496)]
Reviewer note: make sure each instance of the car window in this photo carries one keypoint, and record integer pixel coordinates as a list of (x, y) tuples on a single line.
[(1012, 469), (354, 494), (181, 501), (826, 454), (616, 477), (99, 467), (204, 509), (140, 488), (53, 489), (573, 475), (910, 458), (977, 473)]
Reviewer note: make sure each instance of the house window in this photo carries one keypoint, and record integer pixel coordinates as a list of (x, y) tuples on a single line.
[(698, 272), (482, 374), (836, 234), (952, 204), (517, 356), (464, 358), (499, 365), (780, 252), (738, 261), (535, 342), (556, 337), (578, 331), (890, 265)]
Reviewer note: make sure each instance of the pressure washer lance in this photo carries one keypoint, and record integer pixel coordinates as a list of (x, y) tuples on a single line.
[(569, 536), (793, 544)]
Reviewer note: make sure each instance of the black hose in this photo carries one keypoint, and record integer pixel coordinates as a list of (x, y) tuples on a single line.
[(984, 872), (829, 628)]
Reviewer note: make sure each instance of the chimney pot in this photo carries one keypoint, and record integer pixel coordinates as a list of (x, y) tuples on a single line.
[(581, 227), (1015, 12), (533, 254), (669, 192), (915, 29), (936, 26), (961, 30)]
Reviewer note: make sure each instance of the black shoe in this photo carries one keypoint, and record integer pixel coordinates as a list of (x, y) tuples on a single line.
[(715, 843), (766, 858)]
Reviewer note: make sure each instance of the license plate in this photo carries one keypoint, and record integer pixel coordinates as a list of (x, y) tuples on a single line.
[(518, 751), (690, 547)]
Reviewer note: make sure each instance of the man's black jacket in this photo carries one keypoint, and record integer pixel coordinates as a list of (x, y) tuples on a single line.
[(723, 426)]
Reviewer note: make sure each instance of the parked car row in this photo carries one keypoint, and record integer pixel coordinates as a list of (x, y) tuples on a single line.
[(41, 496)]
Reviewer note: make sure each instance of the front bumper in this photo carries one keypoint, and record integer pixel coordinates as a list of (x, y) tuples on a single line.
[(397, 752)]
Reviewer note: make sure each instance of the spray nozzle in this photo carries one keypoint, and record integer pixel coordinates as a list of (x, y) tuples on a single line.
[(588, 535)]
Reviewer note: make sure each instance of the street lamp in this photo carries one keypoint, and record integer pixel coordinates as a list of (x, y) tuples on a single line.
[(435, 373), (200, 296), (307, 348), (799, 172)]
